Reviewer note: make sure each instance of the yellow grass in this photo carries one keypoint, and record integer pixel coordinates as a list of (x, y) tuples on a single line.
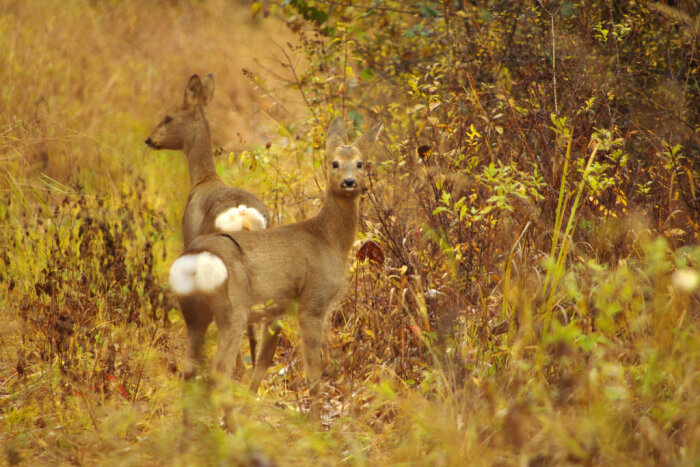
[(89, 223)]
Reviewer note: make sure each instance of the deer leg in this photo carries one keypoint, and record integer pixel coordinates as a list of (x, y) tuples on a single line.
[(198, 316), (239, 367), (195, 342), (253, 342), (229, 340), (311, 337), (231, 321), (270, 336)]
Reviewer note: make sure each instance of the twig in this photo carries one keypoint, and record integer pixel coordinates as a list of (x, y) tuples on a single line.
[(89, 411), (554, 54), (345, 73), (298, 82)]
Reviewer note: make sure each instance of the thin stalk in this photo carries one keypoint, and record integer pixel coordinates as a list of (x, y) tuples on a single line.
[(560, 210), (571, 224), (506, 278)]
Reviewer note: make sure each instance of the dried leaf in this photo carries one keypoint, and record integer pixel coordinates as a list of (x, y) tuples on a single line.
[(372, 251)]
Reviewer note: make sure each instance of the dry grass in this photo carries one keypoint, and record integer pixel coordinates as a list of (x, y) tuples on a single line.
[(87, 80), (441, 356)]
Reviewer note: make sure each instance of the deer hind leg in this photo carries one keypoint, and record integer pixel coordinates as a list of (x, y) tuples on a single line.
[(198, 315), (311, 338), (270, 336), (231, 320), (239, 367)]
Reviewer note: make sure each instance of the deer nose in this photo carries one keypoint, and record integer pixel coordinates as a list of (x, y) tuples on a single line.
[(149, 141), (349, 183)]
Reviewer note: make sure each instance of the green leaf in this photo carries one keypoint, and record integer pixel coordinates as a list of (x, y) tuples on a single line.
[(568, 10), (367, 74), (357, 119), (428, 10)]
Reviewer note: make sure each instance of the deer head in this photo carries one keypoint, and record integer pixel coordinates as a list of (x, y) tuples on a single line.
[(180, 127), (346, 163)]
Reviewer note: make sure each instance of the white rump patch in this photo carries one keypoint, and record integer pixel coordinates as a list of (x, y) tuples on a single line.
[(240, 218), (200, 272)]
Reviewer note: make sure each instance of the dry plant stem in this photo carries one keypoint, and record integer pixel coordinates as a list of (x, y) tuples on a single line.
[(554, 67), (554, 56), (345, 73), (292, 68), (310, 107), (90, 412), (394, 244), (506, 278), (253, 78)]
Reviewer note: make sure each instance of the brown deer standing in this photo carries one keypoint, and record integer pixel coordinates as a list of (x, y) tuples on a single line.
[(296, 266), (212, 206)]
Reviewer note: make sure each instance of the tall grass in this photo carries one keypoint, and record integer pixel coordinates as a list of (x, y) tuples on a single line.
[(491, 334)]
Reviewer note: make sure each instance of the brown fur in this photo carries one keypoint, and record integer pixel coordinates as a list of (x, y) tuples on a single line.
[(296, 266)]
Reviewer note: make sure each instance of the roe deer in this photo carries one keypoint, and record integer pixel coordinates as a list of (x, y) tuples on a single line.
[(212, 206), (296, 266)]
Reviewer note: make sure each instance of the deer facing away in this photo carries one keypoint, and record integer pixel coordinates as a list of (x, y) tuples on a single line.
[(297, 266), (212, 206)]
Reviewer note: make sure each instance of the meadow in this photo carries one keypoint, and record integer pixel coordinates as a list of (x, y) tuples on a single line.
[(525, 289)]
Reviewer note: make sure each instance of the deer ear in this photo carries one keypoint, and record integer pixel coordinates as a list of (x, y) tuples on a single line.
[(207, 88), (366, 142), (336, 135), (193, 91)]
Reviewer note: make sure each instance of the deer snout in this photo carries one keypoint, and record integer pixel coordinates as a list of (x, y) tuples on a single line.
[(349, 183), (152, 144)]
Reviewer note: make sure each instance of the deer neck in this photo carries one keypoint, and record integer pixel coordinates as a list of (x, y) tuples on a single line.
[(339, 219), (199, 156)]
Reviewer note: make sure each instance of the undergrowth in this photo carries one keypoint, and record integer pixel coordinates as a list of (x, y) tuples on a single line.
[(525, 286)]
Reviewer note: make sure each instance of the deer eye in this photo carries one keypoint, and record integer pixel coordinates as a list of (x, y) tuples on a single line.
[(168, 119), (359, 165), (335, 164)]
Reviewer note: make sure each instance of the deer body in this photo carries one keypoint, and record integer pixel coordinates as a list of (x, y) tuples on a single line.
[(296, 266), (213, 206)]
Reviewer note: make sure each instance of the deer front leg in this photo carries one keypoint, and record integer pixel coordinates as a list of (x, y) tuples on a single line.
[(253, 342), (270, 336), (311, 338)]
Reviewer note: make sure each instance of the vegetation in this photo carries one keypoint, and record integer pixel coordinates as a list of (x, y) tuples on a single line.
[(527, 290)]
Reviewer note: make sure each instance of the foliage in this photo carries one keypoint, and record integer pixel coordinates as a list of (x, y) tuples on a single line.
[(528, 287)]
